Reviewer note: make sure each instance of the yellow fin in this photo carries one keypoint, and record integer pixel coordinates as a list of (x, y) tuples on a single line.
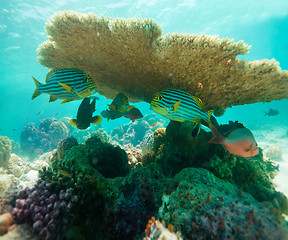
[(49, 74), (36, 92), (73, 122), (198, 101), (176, 105), (210, 113), (196, 120), (97, 120), (52, 98), (67, 87), (129, 108), (67, 100), (112, 107)]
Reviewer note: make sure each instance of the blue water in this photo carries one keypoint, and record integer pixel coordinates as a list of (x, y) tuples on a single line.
[(260, 23)]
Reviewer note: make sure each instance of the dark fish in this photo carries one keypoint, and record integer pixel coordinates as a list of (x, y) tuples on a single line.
[(272, 112), (133, 114), (39, 112), (84, 115), (68, 84)]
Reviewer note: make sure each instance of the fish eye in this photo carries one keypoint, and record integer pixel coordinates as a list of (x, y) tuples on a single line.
[(160, 97)]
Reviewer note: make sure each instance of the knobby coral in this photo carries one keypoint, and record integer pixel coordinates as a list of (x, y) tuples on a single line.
[(131, 56)]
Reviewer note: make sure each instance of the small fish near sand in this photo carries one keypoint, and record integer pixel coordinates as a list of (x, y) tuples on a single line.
[(68, 84), (84, 115), (272, 112), (180, 106), (239, 141)]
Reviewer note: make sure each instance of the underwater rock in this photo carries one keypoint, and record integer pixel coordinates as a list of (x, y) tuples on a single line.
[(43, 208), (131, 133), (6, 220), (64, 145), (203, 206), (134, 156), (5, 150), (38, 140), (110, 161)]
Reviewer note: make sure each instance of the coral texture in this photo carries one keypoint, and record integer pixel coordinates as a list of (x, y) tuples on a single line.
[(130, 56), (36, 140), (5, 150)]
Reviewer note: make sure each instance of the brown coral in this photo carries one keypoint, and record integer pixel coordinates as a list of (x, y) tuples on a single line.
[(130, 56)]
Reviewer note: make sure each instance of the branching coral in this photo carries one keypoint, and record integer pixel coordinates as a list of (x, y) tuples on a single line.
[(131, 56)]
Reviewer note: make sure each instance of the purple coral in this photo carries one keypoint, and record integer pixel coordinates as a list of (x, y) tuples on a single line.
[(43, 209)]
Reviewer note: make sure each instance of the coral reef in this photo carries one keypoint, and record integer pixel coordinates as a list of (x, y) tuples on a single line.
[(35, 140), (274, 152), (205, 207), (5, 150), (92, 191), (133, 53), (43, 207)]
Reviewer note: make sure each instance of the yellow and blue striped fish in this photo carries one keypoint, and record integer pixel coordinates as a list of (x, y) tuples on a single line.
[(120, 103), (179, 106), (68, 84)]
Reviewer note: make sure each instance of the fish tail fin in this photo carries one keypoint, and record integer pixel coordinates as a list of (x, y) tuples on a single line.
[(73, 122), (36, 92), (96, 120), (218, 137), (266, 114)]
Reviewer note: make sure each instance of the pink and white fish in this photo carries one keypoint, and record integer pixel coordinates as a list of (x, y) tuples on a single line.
[(240, 141)]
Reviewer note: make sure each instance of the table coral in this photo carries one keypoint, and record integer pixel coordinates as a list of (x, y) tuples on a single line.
[(131, 56)]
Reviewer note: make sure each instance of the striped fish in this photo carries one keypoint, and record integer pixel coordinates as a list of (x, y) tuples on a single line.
[(179, 106), (68, 84), (120, 103)]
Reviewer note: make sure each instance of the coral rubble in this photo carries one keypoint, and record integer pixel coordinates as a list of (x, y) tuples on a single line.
[(5, 150), (131, 56)]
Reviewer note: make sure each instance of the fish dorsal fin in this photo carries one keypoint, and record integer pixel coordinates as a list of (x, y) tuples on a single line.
[(176, 105), (67, 87), (73, 122), (52, 98), (96, 120), (66, 100), (49, 74), (198, 101)]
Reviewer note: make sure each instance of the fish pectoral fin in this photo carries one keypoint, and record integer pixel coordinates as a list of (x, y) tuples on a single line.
[(176, 105), (52, 98), (130, 107), (73, 122), (112, 107), (66, 100), (96, 120), (196, 120), (67, 87)]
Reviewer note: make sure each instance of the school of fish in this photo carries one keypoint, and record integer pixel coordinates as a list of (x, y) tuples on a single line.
[(73, 84)]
